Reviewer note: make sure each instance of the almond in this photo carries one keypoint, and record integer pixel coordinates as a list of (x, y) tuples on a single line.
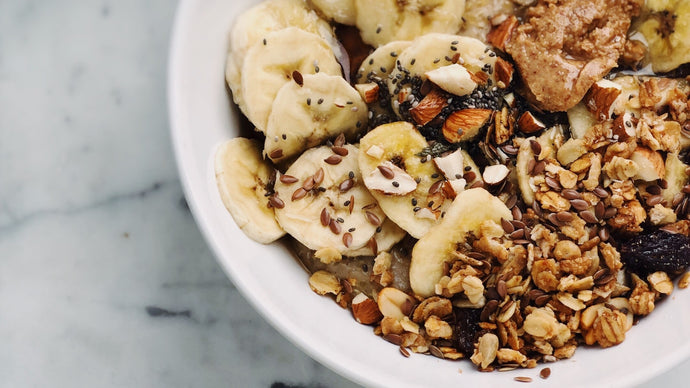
[(465, 124), (394, 303), (530, 124), (369, 92), (504, 72), (651, 164), (390, 179), (431, 105), (480, 77), (500, 34), (496, 174), (601, 97), (624, 126), (365, 310), (454, 79), (452, 165)]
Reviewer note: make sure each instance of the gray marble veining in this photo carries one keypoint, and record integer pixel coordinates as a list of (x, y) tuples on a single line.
[(104, 278)]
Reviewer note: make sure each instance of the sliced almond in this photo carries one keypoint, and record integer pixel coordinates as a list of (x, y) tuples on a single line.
[(464, 125), (601, 97), (504, 126), (650, 163), (425, 213), (500, 34), (571, 151), (454, 79), (496, 174), (661, 282), (452, 165), (369, 92), (431, 105), (375, 152), (365, 310), (504, 72), (530, 124), (323, 282), (624, 127), (392, 302), (400, 183)]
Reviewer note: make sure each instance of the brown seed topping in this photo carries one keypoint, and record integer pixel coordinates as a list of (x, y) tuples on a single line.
[(308, 183), (507, 226), (545, 373), (297, 77), (276, 153), (589, 217), (565, 216), (335, 226), (539, 168), (536, 147), (553, 183), (610, 213), (339, 141), (299, 193), (386, 172), (318, 176), (347, 239), (325, 217), (600, 210), (512, 201), (373, 218), (276, 202), (579, 204), (436, 352), (342, 151), (523, 379), (288, 179), (517, 213), (346, 185), (404, 352), (571, 194), (654, 189), (436, 187), (395, 339), (502, 288), (654, 200), (542, 300), (600, 192), (351, 205), (518, 234), (333, 159)]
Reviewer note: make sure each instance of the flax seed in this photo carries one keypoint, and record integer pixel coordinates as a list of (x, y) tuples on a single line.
[(299, 193), (373, 218), (535, 146), (276, 153), (333, 159), (335, 226), (342, 151), (325, 217), (318, 177), (288, 179), (347, 239), (386, 172)]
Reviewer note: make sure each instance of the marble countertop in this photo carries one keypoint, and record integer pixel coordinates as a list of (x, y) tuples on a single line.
[(104, 278)]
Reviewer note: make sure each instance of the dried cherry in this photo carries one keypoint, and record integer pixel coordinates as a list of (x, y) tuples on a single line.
[(657, 251)]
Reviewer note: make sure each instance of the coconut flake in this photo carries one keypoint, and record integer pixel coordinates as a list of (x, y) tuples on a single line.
[(401, 183)]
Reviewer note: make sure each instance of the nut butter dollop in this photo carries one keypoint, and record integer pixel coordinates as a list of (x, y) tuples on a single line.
[(565, 46)]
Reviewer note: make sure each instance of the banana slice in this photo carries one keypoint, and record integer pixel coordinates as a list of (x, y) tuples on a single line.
[(255, 23), (389, 235), (267, 67), (676, 177), (303, 115), (326, 204), (407, 190), (434, 51), (431, 252), (666, 28), (384, 21), (340, 11), (381, 62), (242, 177)]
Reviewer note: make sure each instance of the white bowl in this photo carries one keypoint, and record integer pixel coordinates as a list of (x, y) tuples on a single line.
[(271, 279)]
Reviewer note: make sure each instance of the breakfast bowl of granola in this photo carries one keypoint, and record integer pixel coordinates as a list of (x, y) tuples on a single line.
[(451, 192)]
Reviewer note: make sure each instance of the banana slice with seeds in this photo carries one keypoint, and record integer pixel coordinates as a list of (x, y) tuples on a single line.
[(270, 64), (242, 177), (408, 189), (326, 204), (469, 210), (384, 21), (255, 23), (381, 62), (306, 113), (435, 51)]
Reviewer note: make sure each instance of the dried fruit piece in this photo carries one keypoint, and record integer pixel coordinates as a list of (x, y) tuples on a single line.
[(657, 251)]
